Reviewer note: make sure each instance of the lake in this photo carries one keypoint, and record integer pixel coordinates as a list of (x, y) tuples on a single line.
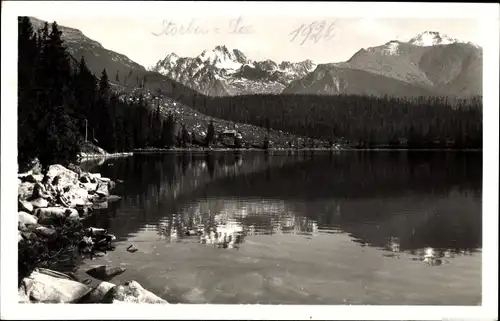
[(302, 227)]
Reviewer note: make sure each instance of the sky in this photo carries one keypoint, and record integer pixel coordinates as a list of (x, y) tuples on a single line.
[(257, 33)]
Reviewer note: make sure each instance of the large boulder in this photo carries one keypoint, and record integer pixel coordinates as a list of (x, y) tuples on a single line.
[(98, 293), (39, 203), (45, 287), (77, 196), (54, 215), (131, 292), (111, 185), (25, 206), (99, 205), (67, 176), (105, 272), (26, 219), (25, 190), (102, 189), (47, 232)]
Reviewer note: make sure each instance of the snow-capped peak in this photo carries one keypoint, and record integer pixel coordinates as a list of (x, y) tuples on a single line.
[(222, 58), (432, 38), (171, 57)]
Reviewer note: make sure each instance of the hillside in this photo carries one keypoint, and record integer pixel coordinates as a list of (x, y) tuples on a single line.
[(430, 64), (333, 80)]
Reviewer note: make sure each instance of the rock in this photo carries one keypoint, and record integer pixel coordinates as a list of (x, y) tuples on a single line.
[(105, 272), (39, 203), (102, 189), (21, 227), (83, 211), (75, 168), (19, 236), (46, 231), (95, 231), (55, 274), (28, 235), (85, 179), (55, 214), (67, 176), (44, 288), (25, 206), (74, 216), (131, 292), (25, 190), (95, 175), (105, 179), (90, 186), (77, 196), (111, 185), (99, 254), (99, 205), (30, 177), (97, 294), (132, 248), (26, 219), (113, 198)]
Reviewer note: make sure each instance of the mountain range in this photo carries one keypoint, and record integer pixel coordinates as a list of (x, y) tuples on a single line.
[(221, 72), (428, 64)]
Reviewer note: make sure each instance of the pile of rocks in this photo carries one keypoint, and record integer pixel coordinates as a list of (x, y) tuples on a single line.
[(40, 226), (47, 286), (84, 192)]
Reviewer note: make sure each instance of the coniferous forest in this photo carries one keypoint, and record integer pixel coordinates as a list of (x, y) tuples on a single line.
[(61, 104), (362, 121)]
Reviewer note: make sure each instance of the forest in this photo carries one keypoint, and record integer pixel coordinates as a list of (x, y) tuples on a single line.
[(361, 121), (62, 104)]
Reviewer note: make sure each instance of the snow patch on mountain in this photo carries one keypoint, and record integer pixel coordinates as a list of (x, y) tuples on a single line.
[(233, 70), (432, 38)]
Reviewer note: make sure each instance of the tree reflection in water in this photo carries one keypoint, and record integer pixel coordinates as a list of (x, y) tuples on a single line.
[(397, 202)]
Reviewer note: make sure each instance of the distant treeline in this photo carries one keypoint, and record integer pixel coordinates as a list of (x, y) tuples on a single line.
[(61, 103), (364, 121)]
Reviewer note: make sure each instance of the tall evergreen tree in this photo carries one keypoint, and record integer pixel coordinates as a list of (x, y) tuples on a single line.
[(210, 133)]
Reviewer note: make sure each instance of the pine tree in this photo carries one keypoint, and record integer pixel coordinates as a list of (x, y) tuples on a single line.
[(185, 136), (210, 134), (28, 53), (57, 136), (168, 132)]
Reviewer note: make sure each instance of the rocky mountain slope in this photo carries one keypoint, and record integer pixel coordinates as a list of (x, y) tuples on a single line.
[(131, 75), (429, 63), (220, 72)]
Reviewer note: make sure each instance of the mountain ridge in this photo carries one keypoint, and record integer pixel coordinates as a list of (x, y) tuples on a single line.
[(238, 73), (439, 66)]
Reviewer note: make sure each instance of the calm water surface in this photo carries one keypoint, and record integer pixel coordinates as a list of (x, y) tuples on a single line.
[(301, 228)]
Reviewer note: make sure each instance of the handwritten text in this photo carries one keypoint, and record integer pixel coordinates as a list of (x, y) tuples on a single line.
[(234, 26), (314, 32)]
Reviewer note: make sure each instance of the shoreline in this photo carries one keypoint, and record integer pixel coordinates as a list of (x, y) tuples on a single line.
[(51, 231), (166, 150), (96, 155)]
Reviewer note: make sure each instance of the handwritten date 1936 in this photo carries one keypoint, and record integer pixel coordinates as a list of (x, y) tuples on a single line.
[(314, 32)]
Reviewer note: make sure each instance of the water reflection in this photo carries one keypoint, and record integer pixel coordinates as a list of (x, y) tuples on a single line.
[(424, 204)]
